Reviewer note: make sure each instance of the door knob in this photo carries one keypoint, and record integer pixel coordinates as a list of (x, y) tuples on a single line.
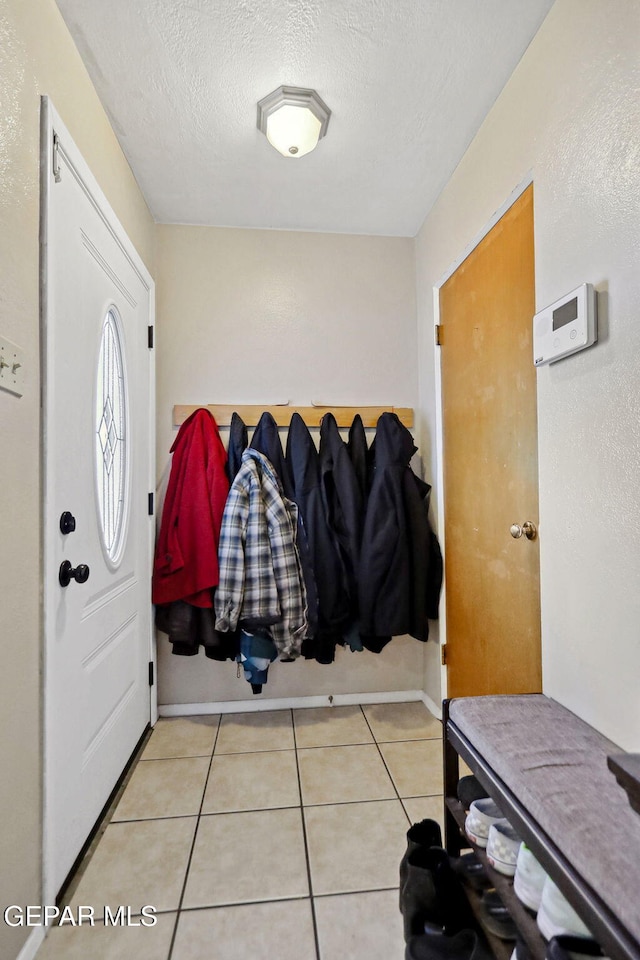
[(528, 528), (68, 573)]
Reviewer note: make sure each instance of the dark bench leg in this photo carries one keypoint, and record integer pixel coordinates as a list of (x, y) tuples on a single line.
[(452, 839)]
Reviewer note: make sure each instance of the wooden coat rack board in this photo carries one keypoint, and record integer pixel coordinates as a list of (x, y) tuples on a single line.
[(282, 414)]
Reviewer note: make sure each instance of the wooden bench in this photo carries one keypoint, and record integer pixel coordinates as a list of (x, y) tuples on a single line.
[(547, 770)]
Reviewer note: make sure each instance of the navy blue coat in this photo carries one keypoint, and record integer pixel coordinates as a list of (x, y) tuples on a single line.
[(238, 443), (303, 462), (266, 440)]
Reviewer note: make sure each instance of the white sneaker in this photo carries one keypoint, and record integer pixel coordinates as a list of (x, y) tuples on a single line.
[(529, 879), (502, 847), (556, 916), (482, 813)]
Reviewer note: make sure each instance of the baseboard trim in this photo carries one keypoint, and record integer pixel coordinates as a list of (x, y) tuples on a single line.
[(295, 703), (431, 705), (32, 944)]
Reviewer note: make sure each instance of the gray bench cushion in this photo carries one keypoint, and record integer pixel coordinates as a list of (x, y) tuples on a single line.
[(556, 766)]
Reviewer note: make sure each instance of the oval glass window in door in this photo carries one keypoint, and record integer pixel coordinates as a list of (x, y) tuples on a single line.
[(111, 438)]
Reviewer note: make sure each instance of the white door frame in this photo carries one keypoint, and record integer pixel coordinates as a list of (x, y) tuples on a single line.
[(51, 123), (439, 427)]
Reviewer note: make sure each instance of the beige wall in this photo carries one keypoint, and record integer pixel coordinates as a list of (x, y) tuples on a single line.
[(571, 115), (257, 316), (38, 57)]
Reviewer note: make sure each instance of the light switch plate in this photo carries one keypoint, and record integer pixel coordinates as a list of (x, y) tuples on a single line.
[(11, 367)]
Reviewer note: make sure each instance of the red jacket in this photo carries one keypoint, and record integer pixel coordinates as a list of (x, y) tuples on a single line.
[(186, 560)]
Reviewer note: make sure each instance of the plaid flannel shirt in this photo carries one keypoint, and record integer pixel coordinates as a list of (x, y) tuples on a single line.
[(260, 574)]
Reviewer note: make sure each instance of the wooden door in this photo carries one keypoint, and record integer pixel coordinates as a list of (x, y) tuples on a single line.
[(490, 463)]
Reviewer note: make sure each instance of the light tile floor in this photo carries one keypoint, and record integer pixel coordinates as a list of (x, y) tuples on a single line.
[(271, 836)]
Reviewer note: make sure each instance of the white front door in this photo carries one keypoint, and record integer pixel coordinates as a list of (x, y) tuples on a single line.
[(98, 375)]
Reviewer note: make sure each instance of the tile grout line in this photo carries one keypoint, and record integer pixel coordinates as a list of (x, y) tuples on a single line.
[(318, 746), (297, 899), (284, 806), (306, 845), (353, 893), (193, 844), (386, 767)]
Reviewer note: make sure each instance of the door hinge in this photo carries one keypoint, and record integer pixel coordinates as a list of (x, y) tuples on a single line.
[(150, 505), (56, 160), (150, 673), (438, 333), (443, 654), (150, 337)]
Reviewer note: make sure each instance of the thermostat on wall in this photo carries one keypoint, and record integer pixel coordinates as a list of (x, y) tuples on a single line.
[(568, 325)]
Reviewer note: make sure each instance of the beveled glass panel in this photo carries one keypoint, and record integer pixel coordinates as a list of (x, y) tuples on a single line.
[(111, 438)]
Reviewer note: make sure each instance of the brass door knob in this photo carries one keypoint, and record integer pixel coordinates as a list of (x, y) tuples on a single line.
[(528, 528)]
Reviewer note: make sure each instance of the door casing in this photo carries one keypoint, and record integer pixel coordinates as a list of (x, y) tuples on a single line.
[(50, 121)]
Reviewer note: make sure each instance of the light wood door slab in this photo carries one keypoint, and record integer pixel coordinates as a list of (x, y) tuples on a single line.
[(490, 463)]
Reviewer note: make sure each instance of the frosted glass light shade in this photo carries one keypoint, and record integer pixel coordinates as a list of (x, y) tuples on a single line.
[(293, 131), (293, 120)]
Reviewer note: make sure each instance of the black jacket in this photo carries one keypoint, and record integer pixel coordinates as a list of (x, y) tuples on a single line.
[(189, 626), (238, 443), (343, 501), (303, 462), (266, 440), (401, 566), (359, 456)]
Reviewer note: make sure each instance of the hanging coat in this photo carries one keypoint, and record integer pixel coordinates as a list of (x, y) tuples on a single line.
[(343, 501), (359, 456), (426, 557), (401, 568), (303, 462), (266, 439), (186, 558), (261, 582), (238, 443), (188, 627), (185, 570)]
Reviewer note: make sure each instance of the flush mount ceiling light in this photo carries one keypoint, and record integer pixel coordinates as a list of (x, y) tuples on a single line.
[(293, 120)]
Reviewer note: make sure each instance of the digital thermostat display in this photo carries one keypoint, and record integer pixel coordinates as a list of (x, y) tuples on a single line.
[(566, 326), (565, 314)]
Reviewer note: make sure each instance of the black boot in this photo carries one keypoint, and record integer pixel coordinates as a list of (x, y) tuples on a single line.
[(418, 898), (433, 894), (424, 834)]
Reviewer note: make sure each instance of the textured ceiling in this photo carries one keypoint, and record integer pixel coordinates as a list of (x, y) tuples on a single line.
[(408, 82)]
